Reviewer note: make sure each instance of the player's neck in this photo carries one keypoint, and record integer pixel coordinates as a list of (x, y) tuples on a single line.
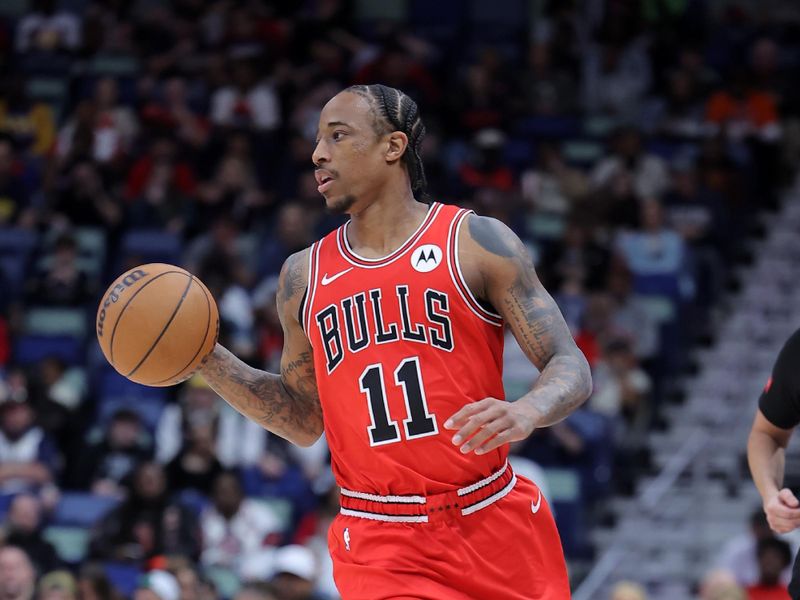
[(384, 225)]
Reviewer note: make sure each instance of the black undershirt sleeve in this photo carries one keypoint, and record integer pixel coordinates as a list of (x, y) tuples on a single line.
[(780, 400)]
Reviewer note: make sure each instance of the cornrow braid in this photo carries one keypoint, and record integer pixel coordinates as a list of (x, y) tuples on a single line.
[(396, 111)]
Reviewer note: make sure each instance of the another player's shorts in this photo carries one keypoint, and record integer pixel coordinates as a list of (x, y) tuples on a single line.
[(493, 540)]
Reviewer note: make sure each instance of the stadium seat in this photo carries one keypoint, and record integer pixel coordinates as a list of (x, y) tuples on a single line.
[(56, 321), (152, 246), (17, 241), (123, 577), (13, 268), (30, 349), (539, 128), (71, 543), (149, 408), (82, 509)]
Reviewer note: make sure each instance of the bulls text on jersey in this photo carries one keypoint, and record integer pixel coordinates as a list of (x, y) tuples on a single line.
[(346, 326)]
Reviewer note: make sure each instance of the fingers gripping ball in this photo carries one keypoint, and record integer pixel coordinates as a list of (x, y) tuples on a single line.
[(156, 324)]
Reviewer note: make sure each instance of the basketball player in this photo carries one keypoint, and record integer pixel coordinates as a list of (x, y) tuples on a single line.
[(777, 416), (393, 345)]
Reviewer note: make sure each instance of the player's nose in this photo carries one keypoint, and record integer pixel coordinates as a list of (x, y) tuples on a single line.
[(320, 154)]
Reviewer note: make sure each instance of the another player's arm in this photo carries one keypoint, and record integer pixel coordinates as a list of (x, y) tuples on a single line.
[(499, 270), (775, 420), (766, 455), (286, 404)]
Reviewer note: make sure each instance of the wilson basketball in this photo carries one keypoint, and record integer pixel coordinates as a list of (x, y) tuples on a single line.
[(156, 324)]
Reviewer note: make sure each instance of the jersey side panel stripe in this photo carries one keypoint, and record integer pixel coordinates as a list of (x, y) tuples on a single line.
[(457, 277)]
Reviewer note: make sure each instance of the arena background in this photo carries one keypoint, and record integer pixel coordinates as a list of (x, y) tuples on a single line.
[(646, 152)]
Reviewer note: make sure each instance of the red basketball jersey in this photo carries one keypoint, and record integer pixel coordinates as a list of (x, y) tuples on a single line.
[(400, 344)]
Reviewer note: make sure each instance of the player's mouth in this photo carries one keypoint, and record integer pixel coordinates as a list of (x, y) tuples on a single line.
[(324, 179)]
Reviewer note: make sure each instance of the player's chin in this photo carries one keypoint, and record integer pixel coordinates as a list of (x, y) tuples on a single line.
[(339, 204)]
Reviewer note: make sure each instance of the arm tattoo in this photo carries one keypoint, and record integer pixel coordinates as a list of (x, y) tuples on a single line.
[(286, 404), (565, 380), (266, 398), (293, 280)]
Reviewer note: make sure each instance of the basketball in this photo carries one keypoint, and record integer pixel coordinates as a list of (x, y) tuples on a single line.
[(156, 324)]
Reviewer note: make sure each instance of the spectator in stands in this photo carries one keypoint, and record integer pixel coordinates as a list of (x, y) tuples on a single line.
[(29, 123), (680, 113), (28, 458), (106, 464), (740, 554), (147, 523), (548, 90), (46, 28), (631, 317), (238, 533), (172, 109), (656, 256), (294, 574), (255, 591), (622, 388), (15, 192), (487, 169), (578, 254), (648, 172), (115, 125), (616, 76), (58, 585), (552, 191), (312, 532), (196, 465), (720, 584), (186, 575), (61, 281), (699, 215), (23, 529), (93, 584), (84, 199), (157, 585), (774, 556), (58, 391), (234, 190), (628, 590), (743, 111), (293, 231), (17, 574), (248, 102), (239, 442), (159, 186)]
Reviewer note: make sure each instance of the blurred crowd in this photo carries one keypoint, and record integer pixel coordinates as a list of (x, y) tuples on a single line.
[(631, 145)]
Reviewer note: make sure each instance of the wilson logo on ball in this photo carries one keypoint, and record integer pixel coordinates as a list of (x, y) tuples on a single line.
[(115, 293)]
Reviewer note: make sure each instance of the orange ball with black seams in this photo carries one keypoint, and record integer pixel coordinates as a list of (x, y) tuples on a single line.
[(156, 324)]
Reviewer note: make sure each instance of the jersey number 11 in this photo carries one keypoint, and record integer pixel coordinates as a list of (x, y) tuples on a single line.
[(420, 423)]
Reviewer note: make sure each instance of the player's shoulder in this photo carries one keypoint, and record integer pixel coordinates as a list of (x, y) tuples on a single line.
[(491, 235), (293, 279), (789, 356)]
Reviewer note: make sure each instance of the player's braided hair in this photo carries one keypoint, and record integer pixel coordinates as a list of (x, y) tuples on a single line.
[(396, 111)]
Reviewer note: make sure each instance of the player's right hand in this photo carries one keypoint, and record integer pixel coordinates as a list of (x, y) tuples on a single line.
[(783, 511)]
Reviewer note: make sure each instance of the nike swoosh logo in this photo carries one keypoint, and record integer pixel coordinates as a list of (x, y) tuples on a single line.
[(326, 280), (535, 506)]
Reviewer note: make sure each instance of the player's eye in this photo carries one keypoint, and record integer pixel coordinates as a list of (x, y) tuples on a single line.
[(337, 135)]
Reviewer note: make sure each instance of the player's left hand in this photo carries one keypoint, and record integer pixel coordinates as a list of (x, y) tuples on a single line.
[(490, 423)]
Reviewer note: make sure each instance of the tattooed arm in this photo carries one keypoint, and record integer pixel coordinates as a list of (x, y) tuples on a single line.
[(286, 404), (499, 271)]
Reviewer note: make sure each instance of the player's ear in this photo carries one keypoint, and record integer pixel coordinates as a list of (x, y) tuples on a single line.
[(398, 141)]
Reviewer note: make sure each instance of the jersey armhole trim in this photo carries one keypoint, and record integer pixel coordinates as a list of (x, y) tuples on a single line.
[(311, 289), (457, 276)]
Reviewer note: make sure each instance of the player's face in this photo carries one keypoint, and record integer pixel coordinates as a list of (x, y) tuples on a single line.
[(350, 157)]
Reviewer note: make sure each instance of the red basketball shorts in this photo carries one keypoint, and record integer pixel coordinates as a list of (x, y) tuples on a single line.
[(503, 549)]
